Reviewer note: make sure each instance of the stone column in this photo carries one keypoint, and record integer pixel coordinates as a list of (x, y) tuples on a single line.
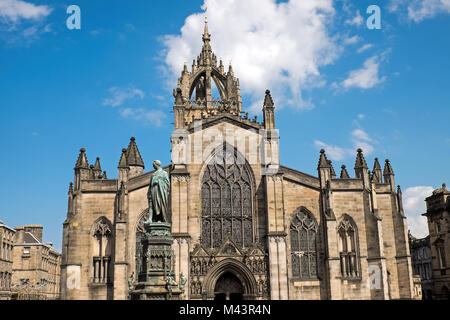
[(273, 268), (333, 261), (120, 262), (282, 264)]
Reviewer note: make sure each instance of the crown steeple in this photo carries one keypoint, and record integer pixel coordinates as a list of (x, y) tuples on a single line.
[(195, 100)]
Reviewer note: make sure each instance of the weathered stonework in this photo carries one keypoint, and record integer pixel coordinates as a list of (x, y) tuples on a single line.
[(243, 226), (36, 266), (7, 236), (438, 208)]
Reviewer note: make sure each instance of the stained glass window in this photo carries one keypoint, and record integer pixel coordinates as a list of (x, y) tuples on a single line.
[(227, 209)]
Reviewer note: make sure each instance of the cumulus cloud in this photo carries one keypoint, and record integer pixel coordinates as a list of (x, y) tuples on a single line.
[(280, 46), (366, 77), (15, 10), (154, 117), (120, 95), (418, 10), (414, 206)]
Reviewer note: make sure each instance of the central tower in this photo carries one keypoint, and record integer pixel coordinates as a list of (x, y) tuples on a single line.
[(193, 95)]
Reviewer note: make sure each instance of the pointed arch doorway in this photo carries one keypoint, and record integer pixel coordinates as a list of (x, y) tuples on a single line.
[(228, 287), (230, 279)]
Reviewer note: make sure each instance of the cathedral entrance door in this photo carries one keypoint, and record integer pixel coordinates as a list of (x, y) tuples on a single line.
[(228, 287)]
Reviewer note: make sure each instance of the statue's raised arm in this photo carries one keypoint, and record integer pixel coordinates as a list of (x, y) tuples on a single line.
[(158, 194)]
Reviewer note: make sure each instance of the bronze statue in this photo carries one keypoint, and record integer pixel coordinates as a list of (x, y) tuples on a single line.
[(158, 195)]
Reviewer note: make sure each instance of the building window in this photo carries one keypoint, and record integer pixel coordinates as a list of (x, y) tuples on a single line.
[(227, 209), (441, 256), (348, 248), (26, 250), (102, 248), (303, 235)]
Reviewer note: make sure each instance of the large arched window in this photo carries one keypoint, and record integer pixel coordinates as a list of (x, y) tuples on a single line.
[(303, 234), (348, 248), (227, 200), (102, 248)]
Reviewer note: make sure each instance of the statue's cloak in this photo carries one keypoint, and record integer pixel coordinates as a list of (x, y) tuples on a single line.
[(158, 195)]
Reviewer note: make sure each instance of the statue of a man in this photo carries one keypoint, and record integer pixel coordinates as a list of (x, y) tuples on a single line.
[(158, 194)]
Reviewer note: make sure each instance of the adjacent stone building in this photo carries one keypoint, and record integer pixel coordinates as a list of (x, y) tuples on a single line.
[(422, 266), (6, 260), (245, 227), (438, 208), (36, 265)]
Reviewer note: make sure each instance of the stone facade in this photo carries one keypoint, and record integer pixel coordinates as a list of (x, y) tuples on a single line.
[(243, 225), (36, 265), (421, 262), (6, 260), (438, 208)]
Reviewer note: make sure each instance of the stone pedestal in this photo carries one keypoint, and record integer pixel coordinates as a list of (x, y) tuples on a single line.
[(156, 279)]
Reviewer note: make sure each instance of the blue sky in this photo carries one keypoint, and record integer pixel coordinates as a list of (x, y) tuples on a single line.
[(336, 84)]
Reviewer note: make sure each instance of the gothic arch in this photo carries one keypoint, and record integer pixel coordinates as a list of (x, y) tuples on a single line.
[(348, 245), (138, 249), (304, 241), (238, 155), (227, 190), (102, 248), (218, 79), (239, 270)]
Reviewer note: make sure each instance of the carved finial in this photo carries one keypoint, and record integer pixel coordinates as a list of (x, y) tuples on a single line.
[(344, 173)]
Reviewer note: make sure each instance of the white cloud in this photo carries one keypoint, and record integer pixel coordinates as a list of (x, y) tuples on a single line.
[(360, 135), (120, 95), (361, 116), (14, 10), (365, 78), (418, 10), (333, 152), (280, 46), (355, 21), (365, 47), (360, 139), (414, 206), (154, 117)]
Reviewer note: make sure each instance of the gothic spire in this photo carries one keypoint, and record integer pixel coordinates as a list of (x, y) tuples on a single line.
[(360, 161), (82, 161), (133, 155), (206, 54), (344, 173), (376, 172), (323, 161), (388, 168), (97, 165), (268, 101), (123, 159)]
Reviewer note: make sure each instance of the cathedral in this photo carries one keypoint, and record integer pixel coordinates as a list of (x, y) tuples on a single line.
[(244, 226)]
